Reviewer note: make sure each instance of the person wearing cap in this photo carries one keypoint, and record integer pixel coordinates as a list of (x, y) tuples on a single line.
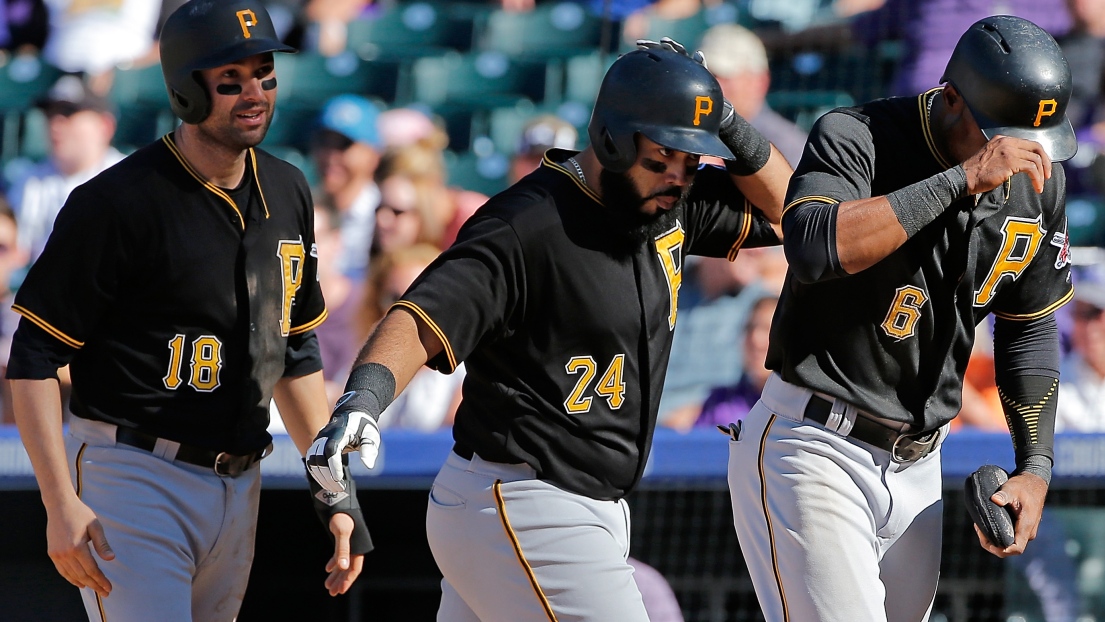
[(346, 151), (559, 297), (908, 221), (1082, 390), (181, 288), (539, 134), (738, 60), (81, 126)]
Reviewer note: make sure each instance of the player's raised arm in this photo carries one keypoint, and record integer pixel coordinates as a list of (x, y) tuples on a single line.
[(758, 169), (399, 346)]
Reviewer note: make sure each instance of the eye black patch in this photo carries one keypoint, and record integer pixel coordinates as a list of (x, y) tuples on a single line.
[(229, 89), (269, 84)]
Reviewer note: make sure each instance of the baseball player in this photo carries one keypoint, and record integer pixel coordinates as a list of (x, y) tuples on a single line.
[(908, 221), (179, 285), (560, 297)]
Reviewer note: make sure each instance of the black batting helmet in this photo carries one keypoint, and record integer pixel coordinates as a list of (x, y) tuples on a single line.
[(1016, 82), (666, 97), (202, 34)]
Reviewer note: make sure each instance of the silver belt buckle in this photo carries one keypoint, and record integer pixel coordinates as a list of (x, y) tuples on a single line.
[(911, 447), (222, 460)]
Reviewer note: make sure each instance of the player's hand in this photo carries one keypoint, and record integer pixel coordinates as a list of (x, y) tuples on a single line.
[(69, 531), (347, 431), (1024, 494), (343, 567), (1005, 156), (671, 45)]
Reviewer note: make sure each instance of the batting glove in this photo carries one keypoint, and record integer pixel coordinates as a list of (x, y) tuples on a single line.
[(671, 45), (348, 430)]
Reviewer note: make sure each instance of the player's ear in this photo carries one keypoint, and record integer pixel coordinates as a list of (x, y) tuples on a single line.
[(952, 98)]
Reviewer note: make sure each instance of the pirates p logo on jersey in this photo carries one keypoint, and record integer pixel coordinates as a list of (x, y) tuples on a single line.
[(703, 106), (248, 20)]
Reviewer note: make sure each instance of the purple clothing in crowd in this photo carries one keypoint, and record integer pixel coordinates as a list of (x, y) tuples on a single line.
[(729, 404), (930, 29)]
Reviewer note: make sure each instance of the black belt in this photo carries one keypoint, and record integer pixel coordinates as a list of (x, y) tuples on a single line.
[(224, 464), (902, 447), (463, 451)]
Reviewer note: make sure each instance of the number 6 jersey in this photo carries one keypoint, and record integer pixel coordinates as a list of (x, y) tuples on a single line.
[(178, 304)]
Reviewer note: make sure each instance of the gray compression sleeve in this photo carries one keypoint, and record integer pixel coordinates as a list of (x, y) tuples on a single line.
[(751, 148), (919, 204), (370, 389)]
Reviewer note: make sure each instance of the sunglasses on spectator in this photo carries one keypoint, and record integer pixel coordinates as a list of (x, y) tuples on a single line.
[(394, 210)]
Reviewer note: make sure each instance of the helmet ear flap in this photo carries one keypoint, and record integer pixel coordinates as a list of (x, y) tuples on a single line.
[(191, 106), (615, 152)]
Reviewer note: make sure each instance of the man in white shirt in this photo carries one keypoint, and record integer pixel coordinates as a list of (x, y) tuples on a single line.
[(1081, 406), (345, 148), (81, 126)]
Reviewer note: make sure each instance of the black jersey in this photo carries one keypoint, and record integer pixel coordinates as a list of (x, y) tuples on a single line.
[(180, 304), (895, 338), (565, 343)]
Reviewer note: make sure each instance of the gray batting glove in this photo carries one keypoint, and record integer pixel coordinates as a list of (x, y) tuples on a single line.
[(347, 431), (671, 45)]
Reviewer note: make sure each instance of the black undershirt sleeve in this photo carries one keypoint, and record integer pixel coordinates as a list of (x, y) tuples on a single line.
[(1026, 358)]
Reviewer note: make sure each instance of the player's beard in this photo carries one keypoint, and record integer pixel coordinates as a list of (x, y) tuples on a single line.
[(226, 133), (632, 227)]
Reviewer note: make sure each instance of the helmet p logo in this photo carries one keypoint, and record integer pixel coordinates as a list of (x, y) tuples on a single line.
[(703, 105), (247, 19), (1047, 108)]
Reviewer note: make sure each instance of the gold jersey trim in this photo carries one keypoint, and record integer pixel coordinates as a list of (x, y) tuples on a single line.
[(501, 505), (1038, 314), (217, 191), (926, 126), (746, 229), (309, 325), (796, 202), (556, 166), (46, 326), (434, 327), (767, 520)]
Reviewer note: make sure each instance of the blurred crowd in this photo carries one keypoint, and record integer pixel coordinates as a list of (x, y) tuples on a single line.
[(385, 204)]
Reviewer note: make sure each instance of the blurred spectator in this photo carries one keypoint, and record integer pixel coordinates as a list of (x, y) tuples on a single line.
[(981, 405), (338, 336), (405, 216), (24, 25), (729, 404), (541, 133), (423, 164), (1081, 406), (431, 399), (12, 258), (929, 30), (637, 26), (81, 126), (94, 37), (345, 149), (714, 302), (1084, 49), (660, 602), (400, 127), (327, 24), (737, 58)]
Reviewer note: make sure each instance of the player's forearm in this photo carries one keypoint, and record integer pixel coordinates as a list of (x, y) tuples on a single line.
[(867, 231), (767, 188), (401, 343), (38, 415), (303, 407)]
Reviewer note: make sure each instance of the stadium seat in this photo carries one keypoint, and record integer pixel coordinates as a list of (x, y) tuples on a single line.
[(311, 79), (583, 75), (804, 107), (477, 80), (411, 31), (1086, 220), (144, 85), (291, 127), (488, 173), (687, 30), (138, 125), (23, 79), (554, 30)]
